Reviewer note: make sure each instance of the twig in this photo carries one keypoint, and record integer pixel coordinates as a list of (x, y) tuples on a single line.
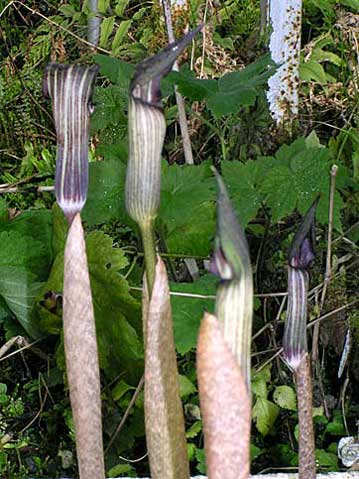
[(186, 141), (328, 267), (126, 414), (264, 17), (24, 344), (311, 324), (204, 40), (210, 296), (330, 313), (281, 307), (42, 404), (93, 23), (16, 189), (134, 460)]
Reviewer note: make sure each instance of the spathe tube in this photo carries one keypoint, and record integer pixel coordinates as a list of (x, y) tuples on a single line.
[(70, 88)]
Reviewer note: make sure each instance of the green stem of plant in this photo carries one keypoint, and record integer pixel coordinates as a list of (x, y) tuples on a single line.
[(149, 250)]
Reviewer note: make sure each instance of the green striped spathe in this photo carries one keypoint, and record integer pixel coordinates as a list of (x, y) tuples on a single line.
[(295, 333), (70, 88), (234, 306), (147, 128), (231, 261)]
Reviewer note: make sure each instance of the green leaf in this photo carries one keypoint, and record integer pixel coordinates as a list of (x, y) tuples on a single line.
[(25, 258), (255, 451), (187, 211), (318, 412), (4, 215), (326, 459), (285, 397), (312, 140), (60, 227), (336, 426), (105, 199), (103, 6), (187, 312), (297, 174), (201, 458), (226, 102), (106, 30), (120, 389), (284, 454), (319, 55), (110, 103), (3, 388), (231, 92), (242, 181), (19, 288), (120, 7), (186, 386), (117, 71), (312, 71), (120, 469), (194, 430), (26, 241), (194, 89), (255, 74), (259, 382), (354, 4), (264, 414), (120, 34), (117, 312), (67, 10)]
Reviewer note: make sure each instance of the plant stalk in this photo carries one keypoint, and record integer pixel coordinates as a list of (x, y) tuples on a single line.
[(307, 466), (186, 141), (149, 249), (164, 420), (93, 23), (81, 353)]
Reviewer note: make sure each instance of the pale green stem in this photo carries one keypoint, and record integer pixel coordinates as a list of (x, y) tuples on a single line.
[(149, 250)]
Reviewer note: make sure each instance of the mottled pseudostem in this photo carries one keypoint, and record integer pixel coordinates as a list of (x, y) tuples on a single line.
[(307, 466), (81, 355), (225, 404), (164, 421)]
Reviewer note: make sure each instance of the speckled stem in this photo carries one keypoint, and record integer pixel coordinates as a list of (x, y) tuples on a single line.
[(225, 404), (307, 467), (164, 421), (81, 356)]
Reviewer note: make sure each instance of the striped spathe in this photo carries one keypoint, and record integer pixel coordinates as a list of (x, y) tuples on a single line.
[(70, 88)]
